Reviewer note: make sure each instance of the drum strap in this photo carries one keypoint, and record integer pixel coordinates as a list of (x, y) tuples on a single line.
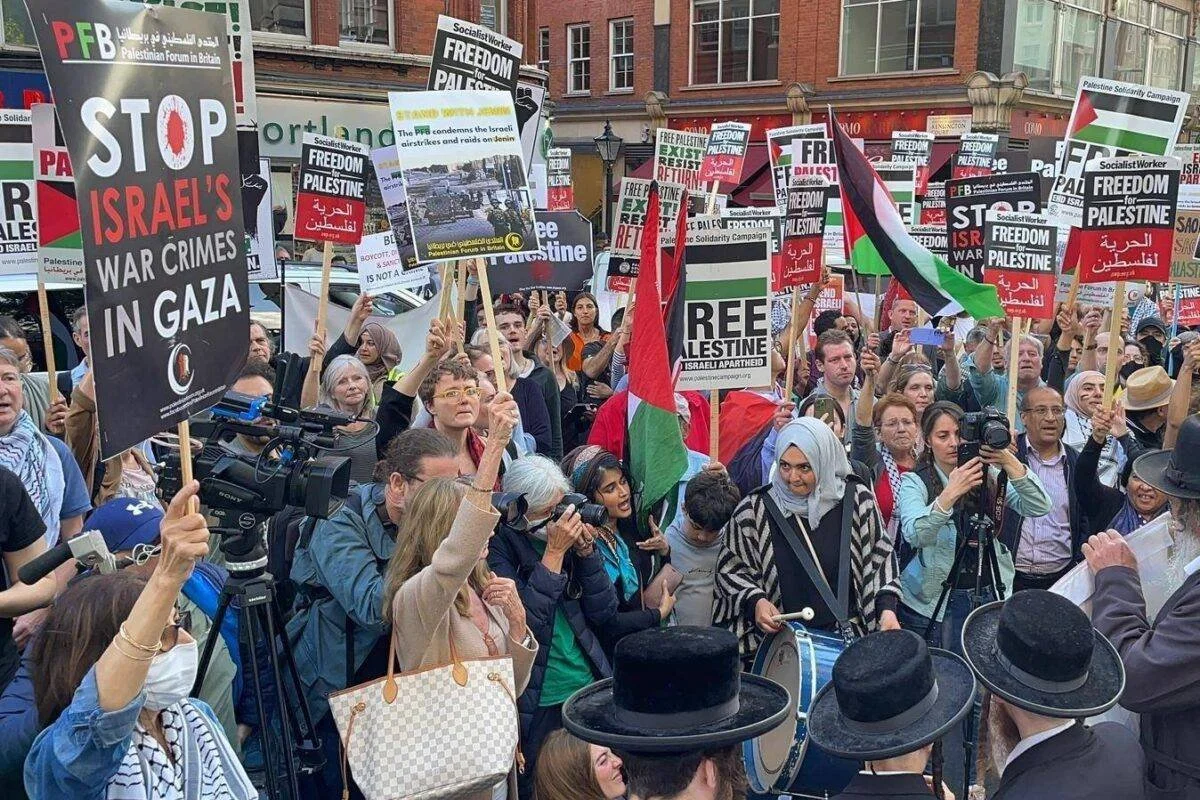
[(840, 605)]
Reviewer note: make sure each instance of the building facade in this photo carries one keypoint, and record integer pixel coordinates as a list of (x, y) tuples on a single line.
[(1005, 66), (320, 65)]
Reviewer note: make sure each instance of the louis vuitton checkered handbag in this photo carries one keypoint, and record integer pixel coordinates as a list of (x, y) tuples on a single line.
[(432, 734)]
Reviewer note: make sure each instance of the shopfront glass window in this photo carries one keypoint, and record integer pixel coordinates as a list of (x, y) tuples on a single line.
[(1080, 42), (1034, 43), (366, 22), (734, 41), (881, 36), (1130, 52), (1167, 48), (287, 17)]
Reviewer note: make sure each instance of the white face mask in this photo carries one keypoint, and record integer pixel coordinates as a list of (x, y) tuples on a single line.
[(171, 676)]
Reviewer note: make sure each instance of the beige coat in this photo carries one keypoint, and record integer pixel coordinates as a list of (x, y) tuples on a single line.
[(423, 609)]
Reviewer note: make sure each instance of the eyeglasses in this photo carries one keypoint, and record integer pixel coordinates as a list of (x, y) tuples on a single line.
[(457, 394), (170, 634), (1049, 412)]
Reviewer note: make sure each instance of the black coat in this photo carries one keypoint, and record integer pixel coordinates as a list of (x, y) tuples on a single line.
[(582, 591), (1010, 536), (880, 787), (1081, 763)]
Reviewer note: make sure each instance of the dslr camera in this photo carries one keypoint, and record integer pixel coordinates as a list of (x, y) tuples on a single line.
[(988, 427), (590, 513)]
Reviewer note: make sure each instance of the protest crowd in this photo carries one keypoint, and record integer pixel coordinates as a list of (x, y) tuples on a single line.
[(749, 521)]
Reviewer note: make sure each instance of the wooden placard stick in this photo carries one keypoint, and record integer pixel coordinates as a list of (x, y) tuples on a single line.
[(1114, 348), (1014, 347), (485, 292), (1073, 292), (47, 338), (714, 425), (185, 459), (460, 307), (712, 197), (792, 345), (316, 362)]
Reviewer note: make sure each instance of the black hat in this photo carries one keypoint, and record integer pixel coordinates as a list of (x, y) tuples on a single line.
[(1151, 322), (890, 694), (1175, 472), (1039, 651), (675, 690)]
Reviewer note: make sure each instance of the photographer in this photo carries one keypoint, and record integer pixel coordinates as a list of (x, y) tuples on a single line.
[(934, 516), (338, 634), (440, 593), (633, 557), (113, 668), (567, 595)]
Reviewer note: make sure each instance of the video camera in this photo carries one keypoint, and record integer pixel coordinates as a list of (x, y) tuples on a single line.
[(977, 428), (261, 485)]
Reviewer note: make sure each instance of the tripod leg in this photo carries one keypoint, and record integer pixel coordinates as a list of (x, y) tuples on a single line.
[(947, 587), (214, 633), (306, 729), (264, 729), (285, 715)]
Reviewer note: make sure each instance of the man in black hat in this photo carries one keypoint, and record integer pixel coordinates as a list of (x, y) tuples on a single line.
[(676, 710), (890, 698), (1160, 655), (1045, 668)]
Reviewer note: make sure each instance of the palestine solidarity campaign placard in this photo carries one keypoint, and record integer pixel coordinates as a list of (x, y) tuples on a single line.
[(146, 104)]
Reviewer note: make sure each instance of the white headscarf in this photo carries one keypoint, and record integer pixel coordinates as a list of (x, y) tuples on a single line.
[(827, 457)]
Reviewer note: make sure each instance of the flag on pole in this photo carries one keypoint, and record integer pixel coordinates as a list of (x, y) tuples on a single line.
[(674, 288), (657, 456), (872, 222)]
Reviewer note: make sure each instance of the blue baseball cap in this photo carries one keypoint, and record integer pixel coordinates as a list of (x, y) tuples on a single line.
[(125, 522)]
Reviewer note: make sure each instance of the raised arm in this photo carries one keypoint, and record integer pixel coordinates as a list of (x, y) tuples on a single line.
[(1181, 395), (437, 344), (1092, 320)]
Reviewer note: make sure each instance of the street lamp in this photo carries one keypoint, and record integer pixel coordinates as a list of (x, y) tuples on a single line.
[(608, 145)]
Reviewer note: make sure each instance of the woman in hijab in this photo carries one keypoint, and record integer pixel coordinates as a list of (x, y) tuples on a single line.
[(374, 345), (1084, 397), (811, 538)]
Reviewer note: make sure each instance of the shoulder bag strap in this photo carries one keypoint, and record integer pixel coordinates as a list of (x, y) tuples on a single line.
[(840, 606)]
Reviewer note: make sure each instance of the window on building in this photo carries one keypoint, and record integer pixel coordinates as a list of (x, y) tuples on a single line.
[(366, 22), (543, 61), (620, 55), (1168, 48), (734, 41), (287, 17), (1057, 42), (880, 36), (18, 32), (1147, 43), (579, 59), (494, 14)]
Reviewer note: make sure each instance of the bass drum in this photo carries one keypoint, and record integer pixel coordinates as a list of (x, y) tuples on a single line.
[(780, 762)]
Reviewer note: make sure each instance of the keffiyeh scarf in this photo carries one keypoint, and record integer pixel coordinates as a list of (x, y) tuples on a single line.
[(200, 766), (26, 451)]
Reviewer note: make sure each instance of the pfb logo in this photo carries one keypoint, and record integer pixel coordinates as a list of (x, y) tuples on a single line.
[(84, 41)]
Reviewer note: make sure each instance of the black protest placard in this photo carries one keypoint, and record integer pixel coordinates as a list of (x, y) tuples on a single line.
[(803, 234), (933, 238), (1128, 219), (146, 107), (1021, 253), (331, 200), (916, 148), (563, 264), (933, 204), (967, 202), (470, 56), (976, 156)]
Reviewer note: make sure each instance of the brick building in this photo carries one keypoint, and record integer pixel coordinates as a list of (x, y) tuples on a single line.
[(882, 65), (321, 65)]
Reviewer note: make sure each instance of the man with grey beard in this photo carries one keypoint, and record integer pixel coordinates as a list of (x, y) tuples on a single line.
[(1162, 655)]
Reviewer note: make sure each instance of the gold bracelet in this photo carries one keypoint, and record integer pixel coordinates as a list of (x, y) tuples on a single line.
[(124, 634), (117, 644), (475, 488)]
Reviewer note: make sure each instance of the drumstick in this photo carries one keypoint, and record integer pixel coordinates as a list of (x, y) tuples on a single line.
[(806, 614)]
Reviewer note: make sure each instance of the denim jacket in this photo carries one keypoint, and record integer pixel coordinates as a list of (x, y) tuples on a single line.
[(81, 750), (935, 538), (339, 572)]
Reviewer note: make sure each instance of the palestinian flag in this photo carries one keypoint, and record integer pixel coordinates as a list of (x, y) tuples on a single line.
[(1127, 123), (877, 238), (657, 456), (741, 443), (674, 281)]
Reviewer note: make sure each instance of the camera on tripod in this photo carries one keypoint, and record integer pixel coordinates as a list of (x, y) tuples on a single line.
[(977, 428)]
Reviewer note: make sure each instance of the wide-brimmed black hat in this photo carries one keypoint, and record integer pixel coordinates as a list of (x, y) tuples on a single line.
[(1039, 651), (676, 690), (1175, 472), (890, 694)]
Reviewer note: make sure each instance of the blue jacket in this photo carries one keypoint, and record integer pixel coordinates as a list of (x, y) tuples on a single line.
[(339, 573), (582, 590), (77, 754)]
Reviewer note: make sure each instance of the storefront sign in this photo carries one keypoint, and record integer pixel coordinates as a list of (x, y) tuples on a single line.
[(283, 121)]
